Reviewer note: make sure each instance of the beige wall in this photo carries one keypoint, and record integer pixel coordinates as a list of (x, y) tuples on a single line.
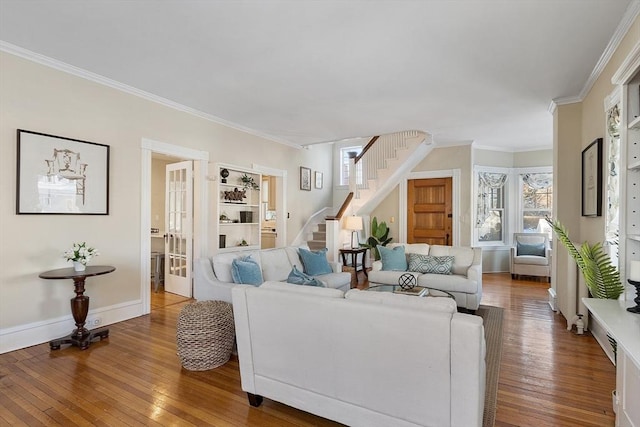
[(38, 98), (575, 127), (440, 159)]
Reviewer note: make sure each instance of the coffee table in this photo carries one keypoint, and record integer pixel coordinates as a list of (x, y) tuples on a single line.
[(429, 292)]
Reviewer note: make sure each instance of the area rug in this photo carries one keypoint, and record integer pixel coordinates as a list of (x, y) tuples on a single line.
[(492, 317)]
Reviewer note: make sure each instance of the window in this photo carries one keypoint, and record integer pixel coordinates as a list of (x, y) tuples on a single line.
[(490, 215), (536, 202), (344, 165)]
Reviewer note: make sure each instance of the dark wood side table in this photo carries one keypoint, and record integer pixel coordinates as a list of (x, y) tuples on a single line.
[(80, 337), (354, 252)]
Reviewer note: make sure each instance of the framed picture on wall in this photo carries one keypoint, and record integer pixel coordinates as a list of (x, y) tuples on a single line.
[(592, 179), (58, 175), (305, 178), (318, 177)]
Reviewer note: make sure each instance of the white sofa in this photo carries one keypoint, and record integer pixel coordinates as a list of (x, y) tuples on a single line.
[(465, 282), (213, 280), (362, 358)]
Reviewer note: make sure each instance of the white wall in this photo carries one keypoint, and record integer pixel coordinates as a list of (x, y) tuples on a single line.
[(37, 98)]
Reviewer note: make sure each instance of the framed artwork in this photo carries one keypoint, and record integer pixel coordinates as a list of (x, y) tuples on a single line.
[(318, 180), (57, 175), (592, 179), (305, 178)]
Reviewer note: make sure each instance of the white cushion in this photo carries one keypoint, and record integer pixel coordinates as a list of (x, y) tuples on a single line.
[(275, 264), (446, 305), (462, 257), (301, 289), (530, 259), (450, 283), (294, 257), (335, 280)]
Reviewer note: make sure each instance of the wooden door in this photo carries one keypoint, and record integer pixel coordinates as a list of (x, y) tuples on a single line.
[(429, 218)]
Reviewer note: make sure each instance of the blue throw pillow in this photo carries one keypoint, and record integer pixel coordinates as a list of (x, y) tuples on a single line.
[(393, 259), (315, 262), (536, 249), (246, 271), (297, 277)]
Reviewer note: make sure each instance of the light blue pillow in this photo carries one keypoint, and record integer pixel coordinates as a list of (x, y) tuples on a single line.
[(315, 262), (297, 277), (430, 264), (246, 270), (393, 259), (536, 249)]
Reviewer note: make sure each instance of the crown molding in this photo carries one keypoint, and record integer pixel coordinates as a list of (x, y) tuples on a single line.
[(628, 18), (628, 67), (96, 78)]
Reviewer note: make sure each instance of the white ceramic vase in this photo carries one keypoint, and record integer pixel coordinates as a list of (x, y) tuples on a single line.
[(78, 266)]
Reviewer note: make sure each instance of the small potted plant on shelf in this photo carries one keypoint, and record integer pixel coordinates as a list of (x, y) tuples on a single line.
[(80, 254), (249, 182)]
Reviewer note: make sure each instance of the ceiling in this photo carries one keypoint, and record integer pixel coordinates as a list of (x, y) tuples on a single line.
[(304, 72)]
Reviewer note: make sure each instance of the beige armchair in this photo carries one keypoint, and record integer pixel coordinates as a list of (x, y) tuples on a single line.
[(531, 255)]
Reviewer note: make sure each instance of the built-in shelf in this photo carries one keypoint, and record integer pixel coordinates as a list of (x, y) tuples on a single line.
[(635, 124), (635, 237), (245, 213), (634, 165)]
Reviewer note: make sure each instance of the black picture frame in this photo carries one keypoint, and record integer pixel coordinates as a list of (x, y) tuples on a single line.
[(61, 176), (592, 179)]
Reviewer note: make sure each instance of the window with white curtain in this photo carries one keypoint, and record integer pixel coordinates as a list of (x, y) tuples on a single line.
[(536, 202), (511, 200), (490, 212)]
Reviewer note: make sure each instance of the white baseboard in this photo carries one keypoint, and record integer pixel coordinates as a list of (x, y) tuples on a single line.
[(26, 335)]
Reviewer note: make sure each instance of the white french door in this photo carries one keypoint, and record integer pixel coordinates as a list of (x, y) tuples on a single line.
[(178, 241)]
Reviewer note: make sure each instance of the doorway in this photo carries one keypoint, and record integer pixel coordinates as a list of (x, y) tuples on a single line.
[(429, 211), (148, 221)]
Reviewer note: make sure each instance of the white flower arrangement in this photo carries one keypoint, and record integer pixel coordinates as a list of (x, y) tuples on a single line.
[(79, 252)]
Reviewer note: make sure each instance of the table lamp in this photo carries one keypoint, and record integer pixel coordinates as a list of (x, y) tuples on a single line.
[(354, 223)]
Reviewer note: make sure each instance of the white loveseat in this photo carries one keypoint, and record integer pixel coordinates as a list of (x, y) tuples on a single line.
[(213, 279), (362, 358), (465, 282)]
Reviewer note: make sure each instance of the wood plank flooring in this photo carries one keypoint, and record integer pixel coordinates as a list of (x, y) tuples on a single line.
[(549, 376)]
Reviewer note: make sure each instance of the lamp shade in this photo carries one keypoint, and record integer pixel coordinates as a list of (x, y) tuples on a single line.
[(353, 223)]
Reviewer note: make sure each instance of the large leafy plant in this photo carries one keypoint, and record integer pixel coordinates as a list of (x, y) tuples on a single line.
[(600, 275), (379, 236)]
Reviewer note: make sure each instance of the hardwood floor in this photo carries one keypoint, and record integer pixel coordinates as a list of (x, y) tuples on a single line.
[(549, 376)]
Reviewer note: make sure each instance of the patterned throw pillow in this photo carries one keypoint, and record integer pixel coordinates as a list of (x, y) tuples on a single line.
[(430, 264)]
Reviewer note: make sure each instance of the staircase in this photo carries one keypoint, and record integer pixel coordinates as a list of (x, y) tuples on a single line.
[(319, 239), (385, 161)]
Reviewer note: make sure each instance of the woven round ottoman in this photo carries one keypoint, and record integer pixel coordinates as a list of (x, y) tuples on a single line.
[(205, 335)]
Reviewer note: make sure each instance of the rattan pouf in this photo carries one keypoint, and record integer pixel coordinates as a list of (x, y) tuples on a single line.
[(205, 335)]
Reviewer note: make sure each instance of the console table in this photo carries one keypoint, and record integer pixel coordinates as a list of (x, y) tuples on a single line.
[(80, 337), (624, 327)]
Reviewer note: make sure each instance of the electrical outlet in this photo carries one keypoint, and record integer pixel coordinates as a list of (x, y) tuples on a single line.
[(97, 321)]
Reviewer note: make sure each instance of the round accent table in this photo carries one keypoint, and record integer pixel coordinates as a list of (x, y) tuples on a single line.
[(80, 337)]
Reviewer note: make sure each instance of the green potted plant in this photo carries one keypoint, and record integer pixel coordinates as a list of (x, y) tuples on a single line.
[(379, 236), (600, 275), (249, 182)]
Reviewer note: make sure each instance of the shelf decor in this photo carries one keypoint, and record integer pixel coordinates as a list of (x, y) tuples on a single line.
[(305, 178), (592, 179), (58, 175)]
